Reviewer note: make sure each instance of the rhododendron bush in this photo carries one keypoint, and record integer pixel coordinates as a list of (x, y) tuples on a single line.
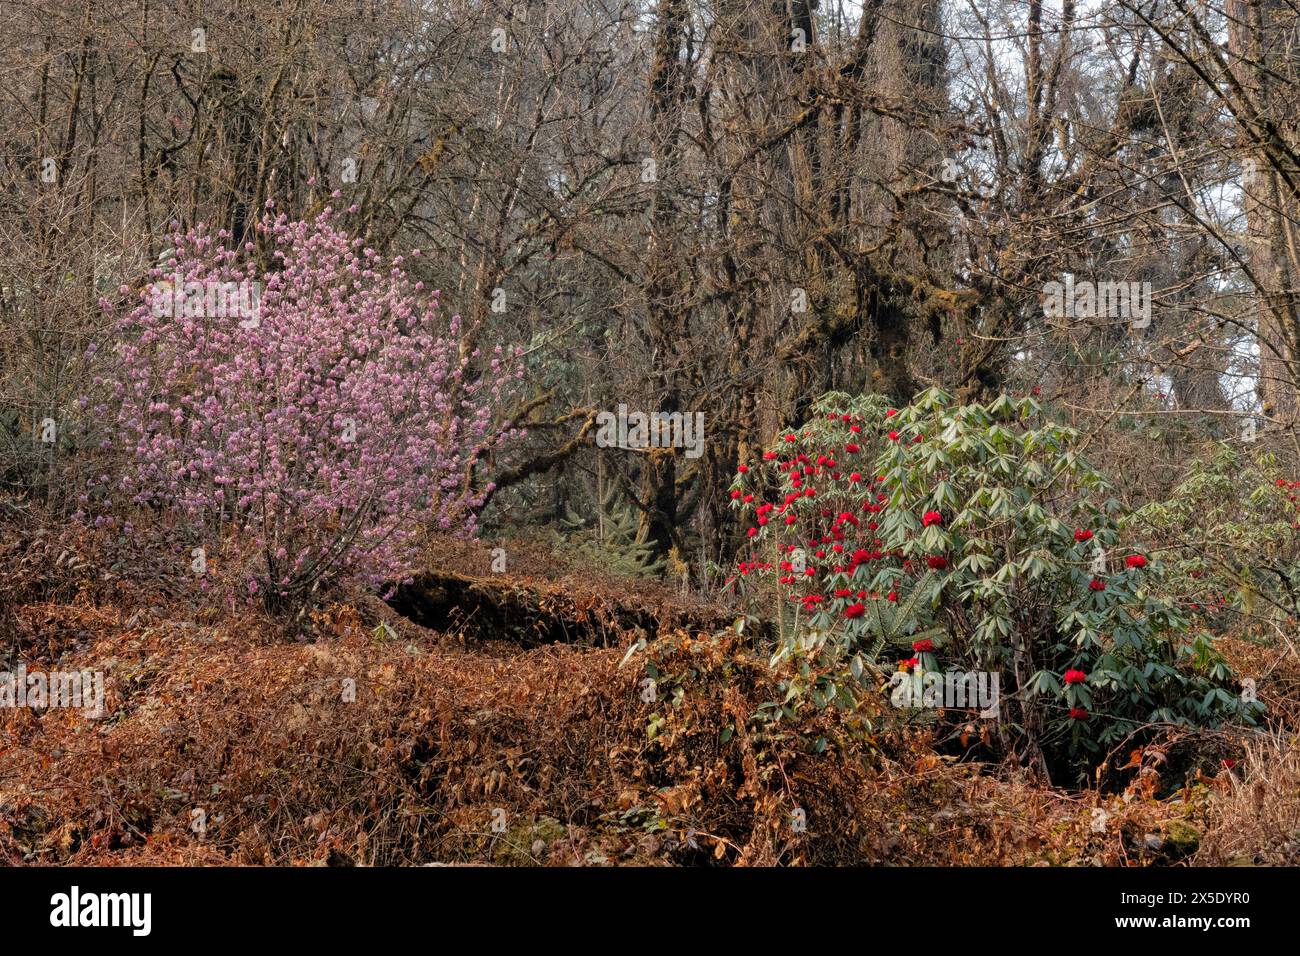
[(331, 426), (1229, 535), (975, 538)]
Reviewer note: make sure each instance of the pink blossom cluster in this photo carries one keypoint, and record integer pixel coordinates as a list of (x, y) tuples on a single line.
[(331, 430)]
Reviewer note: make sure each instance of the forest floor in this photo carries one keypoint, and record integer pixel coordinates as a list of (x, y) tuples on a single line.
[(499, 718)]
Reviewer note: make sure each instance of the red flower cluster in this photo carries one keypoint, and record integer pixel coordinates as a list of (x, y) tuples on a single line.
[(1078, 713), (1135, 561), (837, 541), (1073, 676), (810, 601)]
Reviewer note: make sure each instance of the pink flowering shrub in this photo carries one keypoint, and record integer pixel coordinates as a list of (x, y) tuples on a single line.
[(331, 423)]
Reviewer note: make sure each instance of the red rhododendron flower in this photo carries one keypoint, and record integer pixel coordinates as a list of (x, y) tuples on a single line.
[(931, 517), (1073, 676), (910, 663), (1135, 561), (1082, 534), (854, 610), (743, 469), (1096, 584), (922, 646), (937, 562), (735, 495), (893, 595), (893, 436), (1078, 713)]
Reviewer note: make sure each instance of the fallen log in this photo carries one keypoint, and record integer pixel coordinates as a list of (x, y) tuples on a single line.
[(539, 613)]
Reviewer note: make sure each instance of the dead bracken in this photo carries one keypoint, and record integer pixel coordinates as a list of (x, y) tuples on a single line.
[(469, 746)]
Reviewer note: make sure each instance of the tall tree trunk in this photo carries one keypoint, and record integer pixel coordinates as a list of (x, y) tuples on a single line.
[(907, 66), (1261, 39), (665, 295)]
